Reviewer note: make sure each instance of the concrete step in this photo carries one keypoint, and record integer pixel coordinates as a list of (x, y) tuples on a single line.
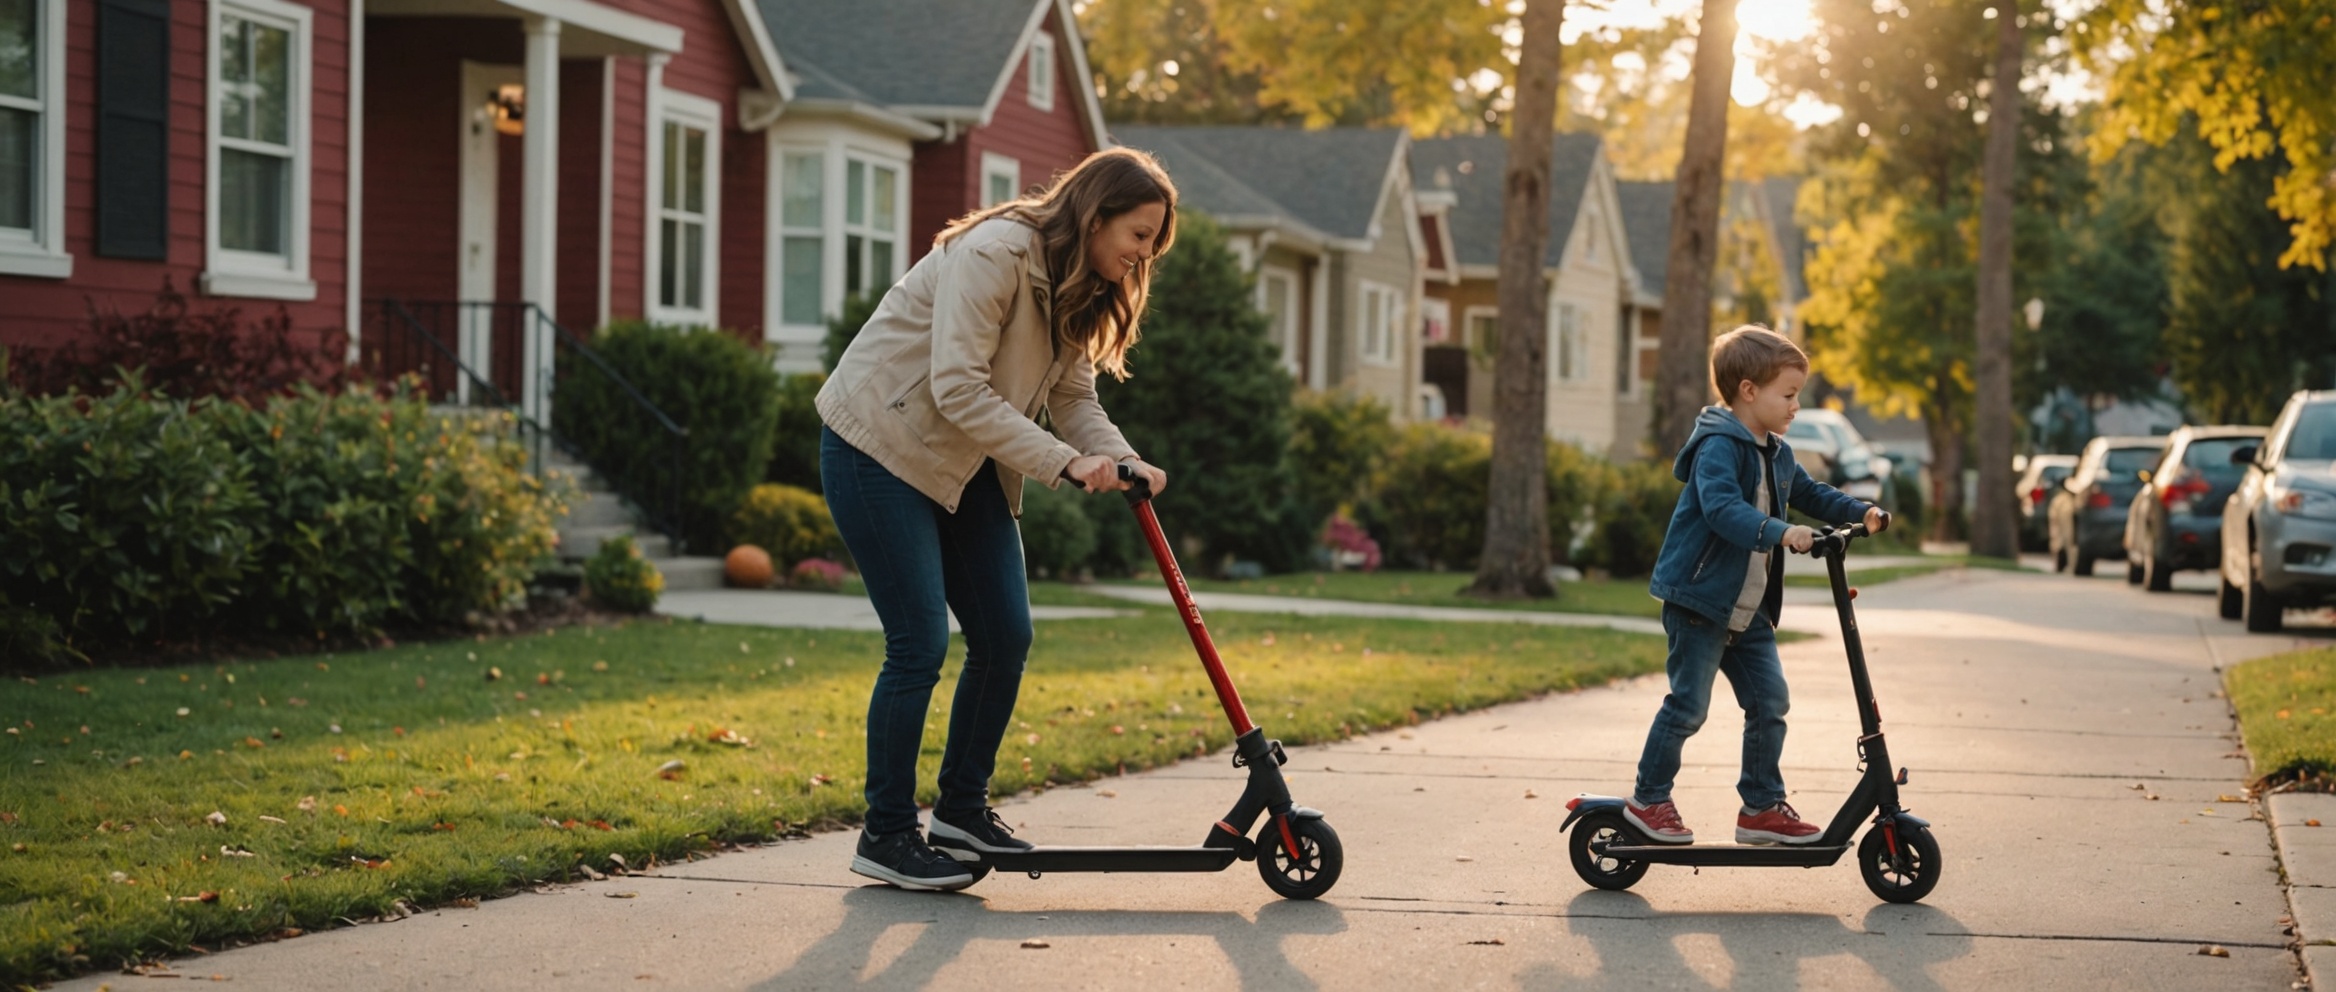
[(583, 542), (690, 572), (596, 508)]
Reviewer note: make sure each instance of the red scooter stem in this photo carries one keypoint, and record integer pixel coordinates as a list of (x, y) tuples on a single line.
[(1190, 613)]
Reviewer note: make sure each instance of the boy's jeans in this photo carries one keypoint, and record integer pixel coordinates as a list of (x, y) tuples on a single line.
[(1700, 648), (921, 563)]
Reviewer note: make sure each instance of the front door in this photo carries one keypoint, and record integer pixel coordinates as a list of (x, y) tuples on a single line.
[(483, 85)]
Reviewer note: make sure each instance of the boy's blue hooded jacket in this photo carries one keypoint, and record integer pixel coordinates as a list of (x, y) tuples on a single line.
[(1716, 526)]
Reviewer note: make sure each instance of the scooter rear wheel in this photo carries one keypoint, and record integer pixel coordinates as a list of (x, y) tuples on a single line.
[(1905, 878), (1588, 848), (1315, 868)]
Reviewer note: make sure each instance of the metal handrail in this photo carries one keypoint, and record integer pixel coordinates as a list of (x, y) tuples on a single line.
[(662, 508)]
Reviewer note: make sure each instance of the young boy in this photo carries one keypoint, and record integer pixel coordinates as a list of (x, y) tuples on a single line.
[(1721, 583)]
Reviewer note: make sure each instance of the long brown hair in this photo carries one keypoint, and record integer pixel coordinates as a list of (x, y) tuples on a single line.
[(1091, 313)]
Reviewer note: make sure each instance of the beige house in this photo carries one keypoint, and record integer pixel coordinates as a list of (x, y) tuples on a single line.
[(1328, 223), (1592, 284)]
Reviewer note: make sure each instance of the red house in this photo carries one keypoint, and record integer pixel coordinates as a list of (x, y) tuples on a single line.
[(581, 160)]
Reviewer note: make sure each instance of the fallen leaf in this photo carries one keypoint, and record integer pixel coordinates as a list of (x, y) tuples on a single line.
[(271, 819), (238, 851), (492, 673), (601, 825), (204, 896), (591, 873), (1464, 858), (2311, 823), (1530, 794), (1494, 942), (2230, 799), (622, 895), (725, 735), (442, 825), (217, 819), (1107, 793), (1035, 944), (671, 769), (307, 804), (2214, 951), (820, 780), (1117, 729)]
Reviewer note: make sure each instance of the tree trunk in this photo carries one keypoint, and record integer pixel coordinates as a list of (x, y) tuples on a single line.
[(1946, 460), (1515, 561), (1685, 374), (1992, 532)]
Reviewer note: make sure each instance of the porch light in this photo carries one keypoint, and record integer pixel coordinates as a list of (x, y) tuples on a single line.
[(507, 107)]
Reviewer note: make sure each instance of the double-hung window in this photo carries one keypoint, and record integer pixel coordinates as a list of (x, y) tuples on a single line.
[(872, 217), (1377, 322), (802, 237), (1572, 346), (685, 257), (257, 224), (32, 138), (1041, 79)]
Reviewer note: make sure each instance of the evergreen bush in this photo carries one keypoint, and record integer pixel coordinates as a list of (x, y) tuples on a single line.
[(1058, 538), (619, 578), (795, 432)]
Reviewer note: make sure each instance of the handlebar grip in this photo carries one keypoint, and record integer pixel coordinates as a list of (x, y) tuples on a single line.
[(1139, 487)]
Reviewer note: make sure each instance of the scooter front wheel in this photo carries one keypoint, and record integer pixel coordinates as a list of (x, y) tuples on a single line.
[(1309, 873), (1588, 844), (1906, 876)]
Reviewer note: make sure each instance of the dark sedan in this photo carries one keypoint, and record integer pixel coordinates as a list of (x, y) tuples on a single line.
[(2176, 521), (2087, 520)]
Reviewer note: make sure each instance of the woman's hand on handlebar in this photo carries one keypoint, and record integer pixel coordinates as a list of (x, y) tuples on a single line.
[(1095, 473), (1158, 478)]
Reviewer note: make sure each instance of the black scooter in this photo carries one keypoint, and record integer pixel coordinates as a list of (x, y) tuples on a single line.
[(1288, 828), (1898, 857)]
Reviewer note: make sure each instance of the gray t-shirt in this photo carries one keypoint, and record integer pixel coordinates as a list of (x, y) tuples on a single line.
[(1756, 570)]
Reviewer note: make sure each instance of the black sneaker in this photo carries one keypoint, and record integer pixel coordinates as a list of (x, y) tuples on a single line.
[(959, 835), (903, 860)]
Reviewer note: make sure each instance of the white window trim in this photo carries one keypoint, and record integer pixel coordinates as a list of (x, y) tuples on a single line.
[(1390, 323), (1041, 67), (228, 272), (1287, 338), (781, 231), (839, 226), (1571, 354), (691, 110), (994, 164), (41, 250)]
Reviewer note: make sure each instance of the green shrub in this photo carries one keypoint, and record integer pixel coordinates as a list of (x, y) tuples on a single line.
[(795, 434), (790, 522), (709, 382), (130, 518), (1119, 541), (1633, 512), (1431, 496), (619, 578), (123, 514), (1574, 483), (1337, 444), (1058, 538)]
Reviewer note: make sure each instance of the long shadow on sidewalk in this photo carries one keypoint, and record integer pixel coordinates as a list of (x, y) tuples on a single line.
[(1638, 946), (952, 922)]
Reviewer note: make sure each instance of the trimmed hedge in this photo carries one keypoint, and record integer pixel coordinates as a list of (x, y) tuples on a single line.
[(131, 518)]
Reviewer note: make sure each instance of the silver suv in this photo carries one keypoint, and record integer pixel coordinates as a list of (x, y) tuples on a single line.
[(2279, 528)]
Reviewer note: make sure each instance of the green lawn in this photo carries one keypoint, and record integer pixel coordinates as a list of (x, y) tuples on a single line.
[(431, 772), (2287, 712)]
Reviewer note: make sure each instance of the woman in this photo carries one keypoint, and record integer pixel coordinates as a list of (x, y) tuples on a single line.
[(930, 430)]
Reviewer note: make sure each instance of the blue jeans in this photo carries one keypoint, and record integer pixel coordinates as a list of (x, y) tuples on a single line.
[(921, 563), (1700, 648)]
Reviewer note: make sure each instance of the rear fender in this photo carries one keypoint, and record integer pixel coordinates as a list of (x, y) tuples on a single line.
[(1586, 804)]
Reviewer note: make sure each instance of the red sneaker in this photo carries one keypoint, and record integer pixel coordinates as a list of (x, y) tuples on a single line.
[(1777, 824), (1660, 822)]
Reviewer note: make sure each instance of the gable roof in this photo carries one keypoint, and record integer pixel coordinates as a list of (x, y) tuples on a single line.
[(945, 60), (1646, 221), (1471, 168), (1332, 181)]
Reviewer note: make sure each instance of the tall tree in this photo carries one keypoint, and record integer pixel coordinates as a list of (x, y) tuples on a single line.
[(1164, 63), (2247, 77), (1515, 561), (1994, 532), (1683, 371)]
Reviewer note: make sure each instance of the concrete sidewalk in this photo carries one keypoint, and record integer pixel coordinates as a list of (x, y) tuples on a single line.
[(2065, 736)]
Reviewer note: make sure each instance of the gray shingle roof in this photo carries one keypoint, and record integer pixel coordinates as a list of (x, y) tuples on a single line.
[(1471, 168), (938, 53), (1646, 221), (1791, 242), (1328, 179)]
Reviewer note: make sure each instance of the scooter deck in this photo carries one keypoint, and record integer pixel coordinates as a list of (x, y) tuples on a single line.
[(1146, 859), (1756, 855)]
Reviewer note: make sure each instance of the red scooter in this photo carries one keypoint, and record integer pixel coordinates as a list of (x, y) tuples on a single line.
[(1296, 852)]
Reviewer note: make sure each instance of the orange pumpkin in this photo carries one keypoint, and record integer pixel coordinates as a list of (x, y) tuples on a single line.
[(748, 566)]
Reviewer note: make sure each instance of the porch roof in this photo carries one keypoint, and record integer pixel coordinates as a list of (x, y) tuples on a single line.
[(587, 28)]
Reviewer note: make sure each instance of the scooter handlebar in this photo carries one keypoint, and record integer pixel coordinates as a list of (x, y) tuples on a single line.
[(1139, 486), (1836, 539)]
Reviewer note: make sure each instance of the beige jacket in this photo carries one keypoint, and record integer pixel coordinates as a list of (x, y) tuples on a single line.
[(954, 367)]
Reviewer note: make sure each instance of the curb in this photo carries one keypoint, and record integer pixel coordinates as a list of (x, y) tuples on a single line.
[(2307, 857)]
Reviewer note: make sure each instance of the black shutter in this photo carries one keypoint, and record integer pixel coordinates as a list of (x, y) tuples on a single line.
[(133, 128)]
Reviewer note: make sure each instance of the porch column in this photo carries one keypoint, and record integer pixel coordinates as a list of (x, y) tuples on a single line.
[(539, 222)]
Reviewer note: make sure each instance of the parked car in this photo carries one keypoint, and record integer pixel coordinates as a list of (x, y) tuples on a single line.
[(1830, 448), (2042, 475), (2175, 522), (2279, 529), (2087, 521)]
